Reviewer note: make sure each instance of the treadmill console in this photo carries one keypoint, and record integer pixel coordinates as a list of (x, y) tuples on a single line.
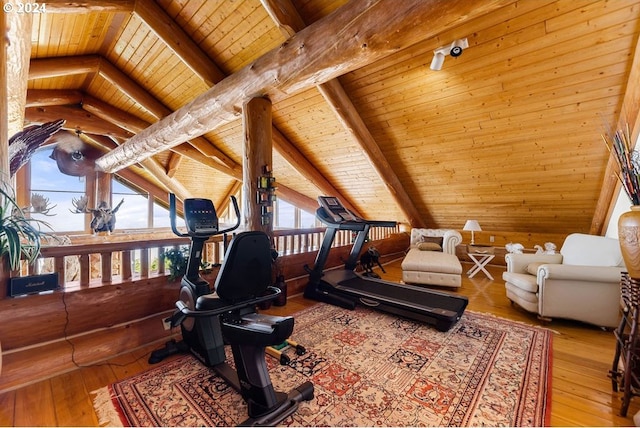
[(335, 210), (200, 216)]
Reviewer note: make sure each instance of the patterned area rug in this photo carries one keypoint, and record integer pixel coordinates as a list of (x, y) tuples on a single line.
[(369, 369)]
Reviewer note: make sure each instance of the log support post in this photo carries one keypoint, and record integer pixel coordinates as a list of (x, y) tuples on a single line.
[(257, 208)]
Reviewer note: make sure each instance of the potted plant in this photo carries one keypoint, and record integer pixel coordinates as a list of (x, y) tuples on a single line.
[(20, 236), (177, 258)]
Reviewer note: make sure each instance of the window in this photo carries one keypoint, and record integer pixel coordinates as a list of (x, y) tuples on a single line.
[(290, 217), (307, 220), (286, 215), (61, 189), (48, 181)]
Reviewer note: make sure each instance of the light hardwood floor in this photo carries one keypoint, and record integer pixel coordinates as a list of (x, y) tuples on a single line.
[(581, 391)]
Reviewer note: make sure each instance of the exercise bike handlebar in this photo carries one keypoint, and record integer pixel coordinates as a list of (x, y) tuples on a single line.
[(206, 232), (234, 201)]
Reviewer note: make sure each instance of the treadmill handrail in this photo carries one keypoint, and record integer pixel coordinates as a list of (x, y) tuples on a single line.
[(351, 224)]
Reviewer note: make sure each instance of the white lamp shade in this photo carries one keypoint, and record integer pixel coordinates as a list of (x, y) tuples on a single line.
[(472, 225)]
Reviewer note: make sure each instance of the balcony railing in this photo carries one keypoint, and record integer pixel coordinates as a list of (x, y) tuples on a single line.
[(95, 264)]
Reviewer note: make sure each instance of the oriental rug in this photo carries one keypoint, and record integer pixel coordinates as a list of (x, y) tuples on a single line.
[(369, 369)]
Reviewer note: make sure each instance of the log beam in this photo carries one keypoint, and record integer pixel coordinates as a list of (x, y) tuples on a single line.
[(152, 166), (53, 97), (87, 64), (178, 41), (257, 212), (301, 163), (285, 15), (163, 26), (77, 119), (355, 35), (629, 116)]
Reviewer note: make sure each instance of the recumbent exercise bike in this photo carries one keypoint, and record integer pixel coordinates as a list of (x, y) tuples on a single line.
[(209, 320)]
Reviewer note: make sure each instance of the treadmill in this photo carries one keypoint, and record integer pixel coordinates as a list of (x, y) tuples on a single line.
[(347, 288)]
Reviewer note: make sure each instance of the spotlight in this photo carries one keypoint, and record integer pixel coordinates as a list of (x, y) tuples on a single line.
[(437, 61), (454, 49)]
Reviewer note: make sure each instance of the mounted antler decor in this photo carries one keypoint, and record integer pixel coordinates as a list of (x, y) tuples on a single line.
[(104, 218), (40, 205)]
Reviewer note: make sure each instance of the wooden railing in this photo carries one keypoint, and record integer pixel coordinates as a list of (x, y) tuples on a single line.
[(94, 264)]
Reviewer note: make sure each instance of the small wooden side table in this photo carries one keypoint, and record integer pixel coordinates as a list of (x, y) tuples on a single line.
[(480, 260)]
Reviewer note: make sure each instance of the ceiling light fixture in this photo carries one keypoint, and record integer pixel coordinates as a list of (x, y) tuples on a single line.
[(454, 49)]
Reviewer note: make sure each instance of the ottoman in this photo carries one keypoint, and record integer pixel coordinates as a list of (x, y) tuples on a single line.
[(432, 268)]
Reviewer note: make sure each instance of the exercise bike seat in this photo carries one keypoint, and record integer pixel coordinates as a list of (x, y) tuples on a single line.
[(258, 330)]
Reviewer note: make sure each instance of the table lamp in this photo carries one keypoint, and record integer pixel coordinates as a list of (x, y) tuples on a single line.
[(473, 226)]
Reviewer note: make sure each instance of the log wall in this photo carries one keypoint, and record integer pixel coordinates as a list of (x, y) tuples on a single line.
[(48, 334)]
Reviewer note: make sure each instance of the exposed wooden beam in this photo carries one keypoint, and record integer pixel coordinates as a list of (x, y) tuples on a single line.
[(53, 97), (173, 164), (355, 35), (118, 117), (301, 163), (130, 174), (155, 107), (178, 41), (121, 120), (130, 88), (167, 31), (223, 203), (284, 13), (234, 171), (151, 166), (63, 66), (333, 92), (77, 119), (41, 68), (257, 154), (629, 116)]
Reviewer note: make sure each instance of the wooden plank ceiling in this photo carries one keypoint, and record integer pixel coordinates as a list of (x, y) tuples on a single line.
[(508, 133)]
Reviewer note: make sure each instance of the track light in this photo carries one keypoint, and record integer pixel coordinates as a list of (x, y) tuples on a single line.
[(454, 49)]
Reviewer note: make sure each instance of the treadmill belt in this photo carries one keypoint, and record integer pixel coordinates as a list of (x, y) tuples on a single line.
[(401, 294)]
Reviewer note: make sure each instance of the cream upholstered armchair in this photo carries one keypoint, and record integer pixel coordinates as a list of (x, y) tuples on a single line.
[(581, 283)]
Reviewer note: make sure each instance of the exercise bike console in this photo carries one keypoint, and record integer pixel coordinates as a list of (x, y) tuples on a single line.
[(200, 217)]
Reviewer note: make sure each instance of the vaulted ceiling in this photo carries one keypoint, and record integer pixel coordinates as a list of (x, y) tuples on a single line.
[(507, 133)]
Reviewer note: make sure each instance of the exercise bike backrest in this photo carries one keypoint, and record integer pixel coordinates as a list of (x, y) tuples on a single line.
[(245, 273)]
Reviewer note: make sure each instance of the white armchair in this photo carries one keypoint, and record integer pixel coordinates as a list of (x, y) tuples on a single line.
[(581, 283)]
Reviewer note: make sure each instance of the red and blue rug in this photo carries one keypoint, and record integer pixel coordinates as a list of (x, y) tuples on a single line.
[(369, 369)]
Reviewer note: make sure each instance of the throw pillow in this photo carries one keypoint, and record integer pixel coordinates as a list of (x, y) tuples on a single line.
[(429, 246), (435, 239)]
